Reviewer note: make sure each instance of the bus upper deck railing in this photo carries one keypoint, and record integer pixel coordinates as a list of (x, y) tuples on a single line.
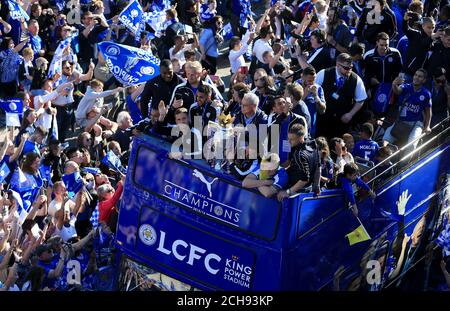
[(406, 147)]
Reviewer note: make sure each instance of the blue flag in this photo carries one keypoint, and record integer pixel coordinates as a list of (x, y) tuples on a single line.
[(227, 32), (16, 12), (382, 97), (19, 203), (132, 17), (156, 20), (45, 171), (4, 171), (160, 5), (11, 105), (135, 113), (13, 109), (129, 65), (28, 197), (60, 4), (73, 183), (56, 64), (113, 162), (91, 170)]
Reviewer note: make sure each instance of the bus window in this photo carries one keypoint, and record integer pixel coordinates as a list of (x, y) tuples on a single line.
[(138, 277), (199, 192), (314, 211)]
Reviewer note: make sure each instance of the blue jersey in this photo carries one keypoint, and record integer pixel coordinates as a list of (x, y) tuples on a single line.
[(280, 179), (413, 103), (30, 147), (402, 46), (366, 149), (310, 102), (205, 14), (346, 185)]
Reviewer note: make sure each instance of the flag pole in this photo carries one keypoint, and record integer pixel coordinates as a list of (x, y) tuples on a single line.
[(364, 228)]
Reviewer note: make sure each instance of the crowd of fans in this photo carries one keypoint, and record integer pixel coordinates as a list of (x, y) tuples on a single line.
[(346, 84)]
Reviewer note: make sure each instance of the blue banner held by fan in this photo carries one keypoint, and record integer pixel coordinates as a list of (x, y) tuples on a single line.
[(73, 182), (16, 12), (129, 65), (132, 17), (113, 162)]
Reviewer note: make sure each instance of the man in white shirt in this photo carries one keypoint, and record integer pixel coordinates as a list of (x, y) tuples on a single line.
[(63, 103), (238, 48), (263, 44), (177, 51)]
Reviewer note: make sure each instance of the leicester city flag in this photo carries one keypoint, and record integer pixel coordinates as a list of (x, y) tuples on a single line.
[(128, 64), (73, 182), (13, 108), (4, 172), (12, 105), (91, 170), (16, 12), (28, 197), (45, 171), (113, 162), (227, 32), (132, 17)]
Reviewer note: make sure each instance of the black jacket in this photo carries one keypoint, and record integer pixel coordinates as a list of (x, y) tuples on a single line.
[(440, 57), (156, 90), (384, 69), (419, 43), (367, 30)]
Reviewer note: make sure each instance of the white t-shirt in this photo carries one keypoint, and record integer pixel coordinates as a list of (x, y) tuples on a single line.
[(260, 47), (180, 54), (360, 90), (68, 230), (55, 206), (237, 57), (61, 100)]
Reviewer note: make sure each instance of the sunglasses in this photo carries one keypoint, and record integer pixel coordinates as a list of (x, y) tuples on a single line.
[(346, 67)]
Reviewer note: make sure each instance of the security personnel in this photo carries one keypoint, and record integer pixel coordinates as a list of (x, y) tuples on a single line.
[(344, 94)]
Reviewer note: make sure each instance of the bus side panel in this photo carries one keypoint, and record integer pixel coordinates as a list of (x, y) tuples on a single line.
[(317, 255)]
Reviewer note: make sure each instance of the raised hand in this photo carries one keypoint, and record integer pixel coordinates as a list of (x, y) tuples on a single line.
[(402, 201)]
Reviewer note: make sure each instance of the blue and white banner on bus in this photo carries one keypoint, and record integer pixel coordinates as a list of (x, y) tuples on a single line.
[(208, 258), (129, 65), (203, 194)]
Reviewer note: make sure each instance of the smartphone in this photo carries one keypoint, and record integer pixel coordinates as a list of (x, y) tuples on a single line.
[(178, 96), (243, 70)]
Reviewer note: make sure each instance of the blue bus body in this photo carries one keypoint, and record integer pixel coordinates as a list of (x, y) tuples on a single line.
[(195, 225)]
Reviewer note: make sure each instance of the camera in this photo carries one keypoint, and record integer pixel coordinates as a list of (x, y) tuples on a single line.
[(47, 220)]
